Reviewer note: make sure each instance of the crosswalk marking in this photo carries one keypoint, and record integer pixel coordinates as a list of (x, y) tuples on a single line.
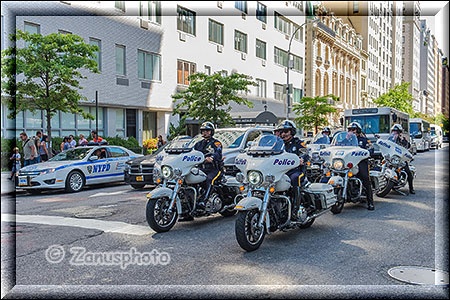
[(108, 194), (106, 226)]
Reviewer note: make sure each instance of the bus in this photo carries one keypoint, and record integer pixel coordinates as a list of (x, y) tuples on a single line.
[(378, 120), (421, 133)]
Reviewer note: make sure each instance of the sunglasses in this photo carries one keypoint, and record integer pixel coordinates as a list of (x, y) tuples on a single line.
[(352, 129), (284, 130)]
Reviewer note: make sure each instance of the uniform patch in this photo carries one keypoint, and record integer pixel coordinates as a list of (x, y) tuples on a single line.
[(218, 144)]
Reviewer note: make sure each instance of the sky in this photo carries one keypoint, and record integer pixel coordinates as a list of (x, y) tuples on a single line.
[(437, 15)]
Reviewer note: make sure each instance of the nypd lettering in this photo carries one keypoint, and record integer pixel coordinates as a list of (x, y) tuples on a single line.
[(98, 168), (191, 158), (284, 162), (240, 161)]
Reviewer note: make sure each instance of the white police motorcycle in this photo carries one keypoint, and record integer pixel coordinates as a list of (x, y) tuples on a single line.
[(314, 167), (341, 166), (179, 186), (267, 207), (395, 159)]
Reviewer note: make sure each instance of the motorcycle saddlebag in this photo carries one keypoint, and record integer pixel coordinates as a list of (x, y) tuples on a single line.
[(323, 194)]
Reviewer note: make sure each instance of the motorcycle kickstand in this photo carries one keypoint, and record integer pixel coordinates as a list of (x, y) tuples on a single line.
[(401, 193)]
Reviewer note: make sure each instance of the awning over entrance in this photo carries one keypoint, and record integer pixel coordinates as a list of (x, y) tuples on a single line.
[(265, 117)]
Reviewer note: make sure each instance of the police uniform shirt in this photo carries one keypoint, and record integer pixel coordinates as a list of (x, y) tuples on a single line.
[(210, 148), (294, 146), (364, 143)]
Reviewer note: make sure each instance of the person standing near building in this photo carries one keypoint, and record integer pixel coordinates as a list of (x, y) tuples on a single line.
[(37, 142), (72, 142), (16, 162), (43, 149), (29, 149), (82, 140), (160, 141), (95, 137)]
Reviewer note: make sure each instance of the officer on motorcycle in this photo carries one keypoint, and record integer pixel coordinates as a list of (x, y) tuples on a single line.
[(363, 166), (213, 165), (397, 130), (327, 132), (293, 144)]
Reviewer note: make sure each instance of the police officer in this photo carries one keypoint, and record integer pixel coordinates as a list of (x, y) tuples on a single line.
[(293, 144), (397, 130), (363, 165), (213, 165), (327, 132)]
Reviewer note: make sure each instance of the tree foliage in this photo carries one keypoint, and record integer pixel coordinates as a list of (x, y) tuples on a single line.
[(43, 75), (313, 111), (208, 97), (399, 98)]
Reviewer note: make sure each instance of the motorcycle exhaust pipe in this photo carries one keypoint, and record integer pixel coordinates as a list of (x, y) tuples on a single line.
[(315, 215)]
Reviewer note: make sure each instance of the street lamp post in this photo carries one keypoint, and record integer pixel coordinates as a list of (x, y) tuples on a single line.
[(288, 89)]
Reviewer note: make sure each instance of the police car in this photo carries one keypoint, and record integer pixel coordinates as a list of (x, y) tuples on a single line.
[(74, 168)]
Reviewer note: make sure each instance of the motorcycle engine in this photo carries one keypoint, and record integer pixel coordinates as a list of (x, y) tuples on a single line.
[(214, 203)]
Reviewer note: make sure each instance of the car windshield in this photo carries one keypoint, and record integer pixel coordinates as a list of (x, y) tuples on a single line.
[(345, 139), (321, 139), (71, 154), (267, 142), (414, 128)]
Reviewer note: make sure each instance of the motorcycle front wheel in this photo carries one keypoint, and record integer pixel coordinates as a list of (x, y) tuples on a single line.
[(339, 205), (248, 235), (158, 216), (384, 191)]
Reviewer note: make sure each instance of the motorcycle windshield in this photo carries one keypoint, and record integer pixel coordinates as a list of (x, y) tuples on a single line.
[(182, 143), (321, 139), (267, 143), (345, 139)]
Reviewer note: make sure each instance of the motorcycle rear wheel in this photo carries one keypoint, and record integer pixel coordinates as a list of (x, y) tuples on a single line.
[(158, 217), (248, 236)]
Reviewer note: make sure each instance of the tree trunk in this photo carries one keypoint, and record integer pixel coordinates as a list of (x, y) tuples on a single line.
[(49, 134)]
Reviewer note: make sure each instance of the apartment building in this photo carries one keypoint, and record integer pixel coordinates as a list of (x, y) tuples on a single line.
[(149, 48), (438, 55), (411, 50), (427, 69), (445, 87), (334, 63)]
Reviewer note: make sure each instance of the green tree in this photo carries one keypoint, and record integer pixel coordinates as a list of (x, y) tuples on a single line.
[(208, 97), (313, 111), (175, 131), (398, 98), (44, 74)]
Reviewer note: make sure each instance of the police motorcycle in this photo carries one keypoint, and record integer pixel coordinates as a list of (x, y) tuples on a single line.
[(393, 164), (341, 166), (179, 187), (267, 207), (314, 167)]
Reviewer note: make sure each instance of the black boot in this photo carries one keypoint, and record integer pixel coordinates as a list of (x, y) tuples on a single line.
[(411, 188), (296, 202), (370, 205)]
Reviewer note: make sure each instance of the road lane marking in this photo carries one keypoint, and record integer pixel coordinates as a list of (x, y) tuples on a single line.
[(106, 226), (108, 194)]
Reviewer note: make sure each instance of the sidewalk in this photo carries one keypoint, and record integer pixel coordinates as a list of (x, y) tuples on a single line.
[(7, 185)]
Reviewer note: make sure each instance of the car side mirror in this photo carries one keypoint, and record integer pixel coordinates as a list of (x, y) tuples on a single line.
[(93, 157)]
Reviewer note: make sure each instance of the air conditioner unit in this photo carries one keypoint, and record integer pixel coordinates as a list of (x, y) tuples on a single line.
[(219, 48), (144, 24), (219, 4), (243, 56), (182, 37), (263, 62), (263, 26), (244, 16)]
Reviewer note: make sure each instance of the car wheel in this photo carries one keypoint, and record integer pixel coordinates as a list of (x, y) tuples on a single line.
[(75, 182)]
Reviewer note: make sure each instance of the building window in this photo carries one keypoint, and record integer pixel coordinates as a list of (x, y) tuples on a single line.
[(120, 60), (119, 5), (297, 95), (30, 28), (280, 57), (241, 5), (282, 24), (240, 41), (208, 70), (260, 49), (64, 31), (120, 122), (184, 70), (261, 12), (215, 32), (149, 66), (154, 11), (261, 88), (279, 92), (298, 63), (98, 54), (355, 6), (186, 20), (298, 33)]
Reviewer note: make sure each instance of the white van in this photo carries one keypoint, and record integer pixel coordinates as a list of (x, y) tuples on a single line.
[(436, 136)]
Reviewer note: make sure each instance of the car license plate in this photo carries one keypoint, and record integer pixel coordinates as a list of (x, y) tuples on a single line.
[(139, 178), (23, 181)]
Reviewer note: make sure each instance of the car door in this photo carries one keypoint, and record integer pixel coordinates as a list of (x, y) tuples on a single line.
[(118, 158), (99, 170)]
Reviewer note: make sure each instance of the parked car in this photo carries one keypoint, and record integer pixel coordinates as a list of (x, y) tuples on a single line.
[(139, 171), (436, 136), (74, 168)]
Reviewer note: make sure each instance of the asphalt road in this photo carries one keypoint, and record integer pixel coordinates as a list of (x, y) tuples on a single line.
[(340, 256)]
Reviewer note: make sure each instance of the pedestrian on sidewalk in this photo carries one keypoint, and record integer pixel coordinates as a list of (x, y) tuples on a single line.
[(43, 150), (16, 162), (161, 142), (72, 142), (29, 149), (82, 140)]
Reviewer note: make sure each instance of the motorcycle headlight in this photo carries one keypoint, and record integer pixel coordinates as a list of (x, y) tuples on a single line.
[(240, 177), (395, 159), (338, 164), (255, 177), (48, 171), (167, 172)]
